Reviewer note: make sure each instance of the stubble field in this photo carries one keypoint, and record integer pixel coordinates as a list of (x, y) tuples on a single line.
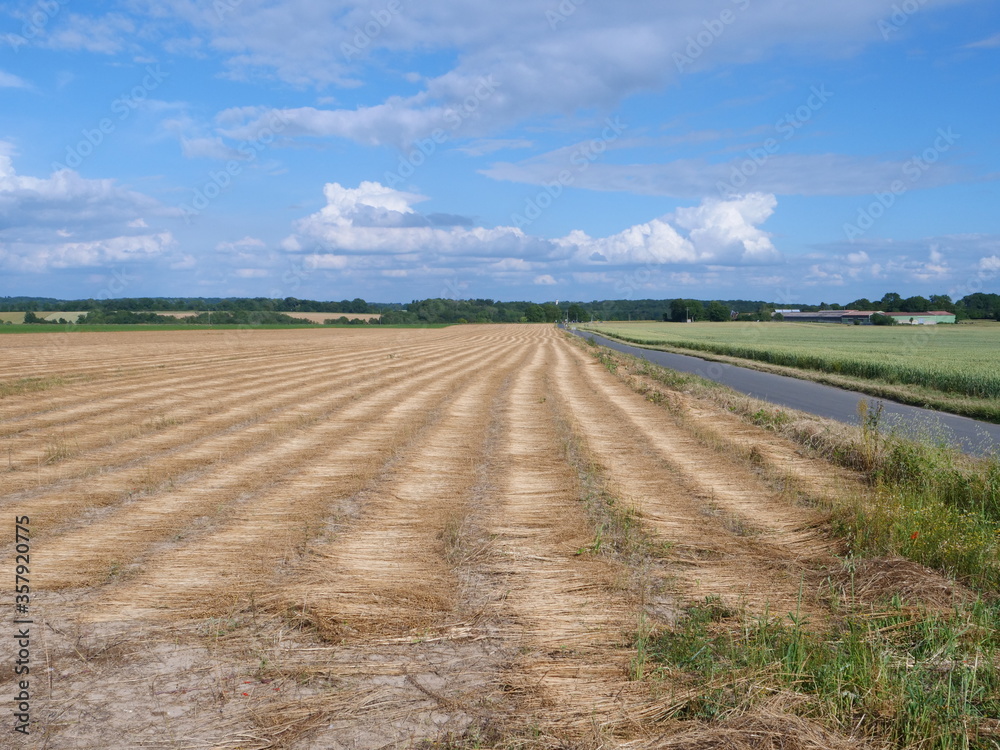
[(462, 537)]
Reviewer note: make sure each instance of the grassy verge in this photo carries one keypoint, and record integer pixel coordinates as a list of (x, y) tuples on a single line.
[(987, 408), (902, 676), (913, 672)]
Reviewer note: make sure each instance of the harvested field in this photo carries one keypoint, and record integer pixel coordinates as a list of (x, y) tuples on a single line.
[(460, 537)]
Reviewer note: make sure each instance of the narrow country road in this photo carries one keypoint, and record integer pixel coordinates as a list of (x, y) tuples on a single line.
[(970, 435)]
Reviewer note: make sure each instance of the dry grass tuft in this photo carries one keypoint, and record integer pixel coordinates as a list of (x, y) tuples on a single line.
[(766, 727), (882, 579)]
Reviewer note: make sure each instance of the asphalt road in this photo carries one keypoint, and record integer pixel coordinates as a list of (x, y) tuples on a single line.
[(970, 435)]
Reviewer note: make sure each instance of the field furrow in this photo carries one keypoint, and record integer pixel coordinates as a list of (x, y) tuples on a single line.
[(143, 465), (572, 618), (401, 470), (252, 458), (743, 540), (138, 425)]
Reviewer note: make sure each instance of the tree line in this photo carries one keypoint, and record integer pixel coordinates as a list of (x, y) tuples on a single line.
[(260, 310)]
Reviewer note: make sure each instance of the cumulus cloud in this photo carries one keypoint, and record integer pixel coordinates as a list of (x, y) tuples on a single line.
[(989, 267), (370, 220), (373, 218), (65, 221)]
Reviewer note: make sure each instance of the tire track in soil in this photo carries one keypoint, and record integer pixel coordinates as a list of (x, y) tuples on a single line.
[(736, 537), (83, 557)]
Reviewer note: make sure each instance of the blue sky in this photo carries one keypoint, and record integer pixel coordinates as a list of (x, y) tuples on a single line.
[(576, 149)]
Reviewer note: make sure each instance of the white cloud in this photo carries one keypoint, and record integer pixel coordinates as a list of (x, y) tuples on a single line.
[(781, 174), (184, 263), (39, 258), (104, 35), (11, 81), (209, 148), (598, 57), (244, 244), (989, 267), (376, 227), (988, 43), (490, 145), (717, 227), (38, 215)]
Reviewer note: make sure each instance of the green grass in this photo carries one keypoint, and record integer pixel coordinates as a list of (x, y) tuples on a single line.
[(909, 676), (955, 368), (928, 503)]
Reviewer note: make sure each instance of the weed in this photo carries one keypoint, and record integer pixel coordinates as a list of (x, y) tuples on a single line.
[(910, 677)]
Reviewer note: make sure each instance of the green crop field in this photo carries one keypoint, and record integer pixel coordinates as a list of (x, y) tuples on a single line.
[(954, 367)]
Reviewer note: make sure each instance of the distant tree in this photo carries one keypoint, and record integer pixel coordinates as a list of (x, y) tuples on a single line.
[(861, 304), (683, 309), (883, 320), (891, 302), (534, 313), (30, 317), (915, 304), (551, 312), (577, 314), (942, 302), (717, 312)]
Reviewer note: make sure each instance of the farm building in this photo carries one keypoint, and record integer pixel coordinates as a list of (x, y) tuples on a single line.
[(857, 317), (823, 316), (923, 319), (864, 317)]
